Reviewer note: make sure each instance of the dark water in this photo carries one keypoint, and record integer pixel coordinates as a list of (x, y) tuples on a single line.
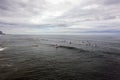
[(75, 58)]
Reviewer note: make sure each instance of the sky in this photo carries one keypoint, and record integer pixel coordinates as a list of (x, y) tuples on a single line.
[(59, 16)]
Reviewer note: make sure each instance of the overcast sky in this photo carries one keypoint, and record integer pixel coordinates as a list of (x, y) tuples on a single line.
[(59, 16)]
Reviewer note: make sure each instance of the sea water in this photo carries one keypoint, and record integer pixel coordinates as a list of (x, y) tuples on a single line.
[(77, 57)]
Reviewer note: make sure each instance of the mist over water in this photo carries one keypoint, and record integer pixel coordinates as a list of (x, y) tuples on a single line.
[(77, 57)]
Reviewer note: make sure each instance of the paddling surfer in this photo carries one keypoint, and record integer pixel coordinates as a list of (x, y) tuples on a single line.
[(56, 46)]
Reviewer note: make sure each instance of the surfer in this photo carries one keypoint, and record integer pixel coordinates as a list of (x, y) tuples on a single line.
[(56, 46), (70, 42)]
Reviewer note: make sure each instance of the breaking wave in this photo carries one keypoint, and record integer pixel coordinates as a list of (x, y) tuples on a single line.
[(2, 48)]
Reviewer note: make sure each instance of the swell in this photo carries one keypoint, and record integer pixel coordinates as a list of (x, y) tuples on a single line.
[(68, 47), (111, 53), (71, 48)]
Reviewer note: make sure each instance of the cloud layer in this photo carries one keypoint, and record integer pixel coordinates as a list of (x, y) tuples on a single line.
[(59, 16)]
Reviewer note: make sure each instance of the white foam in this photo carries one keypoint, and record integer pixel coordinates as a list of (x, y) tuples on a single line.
[(2, 48)]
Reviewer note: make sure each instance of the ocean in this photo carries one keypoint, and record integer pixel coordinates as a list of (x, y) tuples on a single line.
[(59, 57)]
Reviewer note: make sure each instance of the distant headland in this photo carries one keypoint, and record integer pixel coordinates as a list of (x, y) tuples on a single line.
[(1, 33)]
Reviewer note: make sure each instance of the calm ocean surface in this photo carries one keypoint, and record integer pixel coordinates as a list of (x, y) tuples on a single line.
[(77, 57)]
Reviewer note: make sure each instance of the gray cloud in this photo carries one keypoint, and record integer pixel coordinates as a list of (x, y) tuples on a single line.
[(59, 16), (111, 2)]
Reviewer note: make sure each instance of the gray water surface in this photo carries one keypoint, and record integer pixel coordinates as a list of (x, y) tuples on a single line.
[(36, 58)]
